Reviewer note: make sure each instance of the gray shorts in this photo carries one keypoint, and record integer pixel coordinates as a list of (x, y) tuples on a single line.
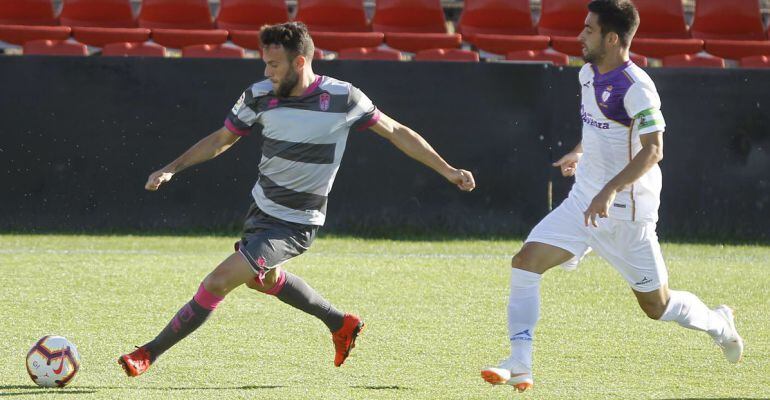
[(267, 242)]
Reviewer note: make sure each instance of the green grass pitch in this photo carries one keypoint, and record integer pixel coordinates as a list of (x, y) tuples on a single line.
[(435, 314)]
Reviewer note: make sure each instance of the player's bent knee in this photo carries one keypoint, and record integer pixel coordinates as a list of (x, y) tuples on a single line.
[(215, 284), (525, 261), (519, 260), (269, 281)]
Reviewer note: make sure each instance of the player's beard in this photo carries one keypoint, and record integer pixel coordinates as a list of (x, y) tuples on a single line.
[(288, 83), (594, 56)]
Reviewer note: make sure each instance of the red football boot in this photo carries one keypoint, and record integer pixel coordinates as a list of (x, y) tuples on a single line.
[(345, 338), (136, 362)]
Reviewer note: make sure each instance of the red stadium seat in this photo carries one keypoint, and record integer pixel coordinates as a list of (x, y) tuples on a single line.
[(737, 49), (728, 20), (140, 49), (98, 13), (414, 42), (244, 19), (333, 15), (538, 56), (212, 51), (178, 38), (562, 17), (755, 62), (27, 12), (496, 17), (413, 25), (731, 29), (180, 23), (447, 55), (336, 41), (692, 60), (101, 36), (98, 22), (662, 31), (412, 16), (54, 48), (25, 20), (659, 48), (568, 45), (19, 34), (362, 53), (250, 15), (504, 44), (661, 19), (500, 27), (563, 20), (246, 39), (175, 14)]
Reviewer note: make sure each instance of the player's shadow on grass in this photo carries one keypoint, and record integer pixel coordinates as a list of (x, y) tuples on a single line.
[(35, 390), (381, 387), (182, 388), (719, 398)]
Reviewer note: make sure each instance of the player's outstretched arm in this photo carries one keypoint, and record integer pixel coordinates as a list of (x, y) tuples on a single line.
[(206, 149), (415, 146)]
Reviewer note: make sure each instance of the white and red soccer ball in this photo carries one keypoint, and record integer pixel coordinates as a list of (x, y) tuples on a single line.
[(53, 361)]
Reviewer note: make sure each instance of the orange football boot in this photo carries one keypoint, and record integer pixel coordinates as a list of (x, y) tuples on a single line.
[(136, 362), (345, 338)]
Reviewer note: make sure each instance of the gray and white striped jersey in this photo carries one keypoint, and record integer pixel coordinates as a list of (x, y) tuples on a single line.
[(304, 139)]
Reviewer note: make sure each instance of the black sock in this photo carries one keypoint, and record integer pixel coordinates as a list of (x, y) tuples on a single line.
[(300, 295), (191, 316)]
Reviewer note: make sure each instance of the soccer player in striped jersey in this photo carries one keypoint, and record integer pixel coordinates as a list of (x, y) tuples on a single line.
[(617, 179), (304, 120)]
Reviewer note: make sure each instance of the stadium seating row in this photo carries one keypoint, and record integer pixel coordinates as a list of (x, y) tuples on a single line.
[(149, 49), (732, 30)]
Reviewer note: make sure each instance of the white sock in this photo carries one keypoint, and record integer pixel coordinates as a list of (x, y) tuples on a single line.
[(523, 313), (689, 311)]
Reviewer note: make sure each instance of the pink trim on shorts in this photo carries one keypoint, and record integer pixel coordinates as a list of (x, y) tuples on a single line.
[(234, 129), (207, 299), (313, 85), (368, 124), (278, 285)]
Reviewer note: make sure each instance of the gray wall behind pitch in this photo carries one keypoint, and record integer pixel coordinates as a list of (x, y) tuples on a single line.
[(80, 135)]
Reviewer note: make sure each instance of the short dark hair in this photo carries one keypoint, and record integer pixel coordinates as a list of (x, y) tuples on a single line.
[(619, 16), (293, 36)]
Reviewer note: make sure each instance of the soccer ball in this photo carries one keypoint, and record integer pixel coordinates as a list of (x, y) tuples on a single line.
[(53, 361)]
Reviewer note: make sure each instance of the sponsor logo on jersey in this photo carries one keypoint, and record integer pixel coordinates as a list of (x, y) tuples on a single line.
[(618, 205), (324, 101), (589, 120)]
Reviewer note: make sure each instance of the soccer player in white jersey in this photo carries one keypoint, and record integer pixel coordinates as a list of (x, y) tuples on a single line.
[(613, 205), (304, 120)]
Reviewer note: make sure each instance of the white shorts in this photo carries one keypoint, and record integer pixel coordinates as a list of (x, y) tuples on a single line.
[(631, 247)]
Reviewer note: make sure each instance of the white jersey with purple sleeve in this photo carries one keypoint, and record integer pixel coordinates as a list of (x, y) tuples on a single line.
[(303, 140), (618, 107)]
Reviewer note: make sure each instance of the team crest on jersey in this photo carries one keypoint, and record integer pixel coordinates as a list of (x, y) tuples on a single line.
[(239, 103), (606, 94), (324, 101)]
